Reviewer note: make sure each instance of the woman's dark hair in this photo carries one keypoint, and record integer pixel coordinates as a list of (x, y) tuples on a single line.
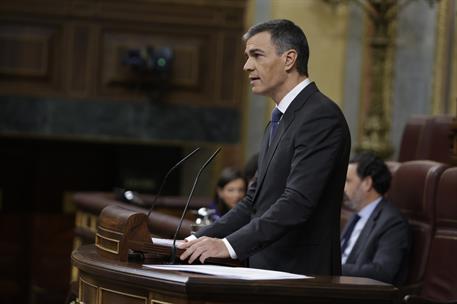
[(227, 175), (368, 164)]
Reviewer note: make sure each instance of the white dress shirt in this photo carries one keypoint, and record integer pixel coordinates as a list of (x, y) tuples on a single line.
[(364, 214), (287, 100)]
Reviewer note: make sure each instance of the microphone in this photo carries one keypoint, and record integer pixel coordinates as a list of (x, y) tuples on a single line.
[(166, 177), (173, 247)]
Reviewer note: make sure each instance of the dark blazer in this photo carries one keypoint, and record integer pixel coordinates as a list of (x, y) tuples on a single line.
[(289, 218), (382, 248)]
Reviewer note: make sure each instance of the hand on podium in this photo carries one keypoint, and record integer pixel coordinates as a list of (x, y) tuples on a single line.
[(203, 248)]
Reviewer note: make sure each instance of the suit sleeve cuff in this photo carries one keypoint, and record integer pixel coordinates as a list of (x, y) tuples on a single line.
[(230, 249)]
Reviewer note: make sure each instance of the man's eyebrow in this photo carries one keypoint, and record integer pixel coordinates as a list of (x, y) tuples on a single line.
[(252, 51)]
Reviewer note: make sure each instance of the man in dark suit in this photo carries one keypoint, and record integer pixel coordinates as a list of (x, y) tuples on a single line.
[(289, 218), (375, 243)]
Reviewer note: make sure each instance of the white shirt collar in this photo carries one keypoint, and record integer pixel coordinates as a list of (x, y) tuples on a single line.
[(368, 209), (287, 100)]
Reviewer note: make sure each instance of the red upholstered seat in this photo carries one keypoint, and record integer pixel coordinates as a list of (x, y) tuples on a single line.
[(413, 191), (441, 271), (435, 139), (410, 137)]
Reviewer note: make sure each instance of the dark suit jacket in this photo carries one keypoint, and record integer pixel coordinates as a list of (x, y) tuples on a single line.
[(381, 250), (289, 218)]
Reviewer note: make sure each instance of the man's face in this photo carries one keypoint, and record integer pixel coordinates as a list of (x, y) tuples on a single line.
[(266, 68), (354, 189)]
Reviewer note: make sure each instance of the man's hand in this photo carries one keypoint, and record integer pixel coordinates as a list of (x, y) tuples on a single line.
[(203, 248)]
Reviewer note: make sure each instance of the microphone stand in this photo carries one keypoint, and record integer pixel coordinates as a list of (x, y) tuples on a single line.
[(166, 177), (173, 248)]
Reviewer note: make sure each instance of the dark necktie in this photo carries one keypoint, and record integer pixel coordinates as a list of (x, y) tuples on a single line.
[(275, 118), (347, 234)]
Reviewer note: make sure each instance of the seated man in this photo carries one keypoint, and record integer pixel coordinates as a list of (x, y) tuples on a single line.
[(376, 241)]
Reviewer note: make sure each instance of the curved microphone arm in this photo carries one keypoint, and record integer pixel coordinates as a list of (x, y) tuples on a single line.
[(173, 248), (166, 177)]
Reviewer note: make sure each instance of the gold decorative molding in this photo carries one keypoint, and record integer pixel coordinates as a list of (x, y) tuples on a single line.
[(100, 292), (453, 77), (86, 221), (74, 270), (126, 294), (389, 73), (106, 243), (80, 289), (159, 302), (376, 113), (441, 66)]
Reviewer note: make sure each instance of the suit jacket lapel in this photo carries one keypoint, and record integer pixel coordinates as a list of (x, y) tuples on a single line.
[(268, 152), (263, 151), (365, 234)]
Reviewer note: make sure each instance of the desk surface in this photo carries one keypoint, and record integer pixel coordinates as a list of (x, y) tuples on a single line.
[(197, 287)]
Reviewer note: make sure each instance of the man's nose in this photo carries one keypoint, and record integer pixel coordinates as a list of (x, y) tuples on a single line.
[(248, 65)]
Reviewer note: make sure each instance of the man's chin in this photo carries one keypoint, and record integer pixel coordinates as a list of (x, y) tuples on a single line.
[(350, 205), (257, 91)]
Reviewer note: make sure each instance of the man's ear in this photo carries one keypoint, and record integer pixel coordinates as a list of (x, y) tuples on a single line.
[(368, 183), (290, 59)]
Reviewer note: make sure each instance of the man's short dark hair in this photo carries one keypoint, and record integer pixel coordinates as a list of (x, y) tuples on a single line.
[(285, 35), (368, 164)]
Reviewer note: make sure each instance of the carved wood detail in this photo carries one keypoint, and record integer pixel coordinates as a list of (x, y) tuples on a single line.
[(187, 60), (29, 55), (74, 48)]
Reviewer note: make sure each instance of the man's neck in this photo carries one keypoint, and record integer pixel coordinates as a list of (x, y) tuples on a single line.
[(292, 82), (369, 199)]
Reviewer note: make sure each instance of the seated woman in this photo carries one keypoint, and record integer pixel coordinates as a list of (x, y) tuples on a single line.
[(230, 189)]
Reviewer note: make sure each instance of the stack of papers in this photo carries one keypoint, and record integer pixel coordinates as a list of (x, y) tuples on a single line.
[(165, 242), (240, 273)]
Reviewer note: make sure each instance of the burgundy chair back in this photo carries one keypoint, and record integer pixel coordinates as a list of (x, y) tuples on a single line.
[(413, 191), (435, 139), (441, 272), (410, 137)]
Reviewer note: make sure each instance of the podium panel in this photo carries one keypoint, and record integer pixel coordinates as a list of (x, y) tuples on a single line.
[(103, 280)]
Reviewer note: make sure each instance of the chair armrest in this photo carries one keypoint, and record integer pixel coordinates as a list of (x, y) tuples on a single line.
[(413, 299)]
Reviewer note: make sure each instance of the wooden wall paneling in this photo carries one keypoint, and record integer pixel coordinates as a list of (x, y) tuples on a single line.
[(231, 65), (206, 13), (191, 12), (206, 65), (31, 56), (73, 48), (81, 59), (191, 66), (218, 67)]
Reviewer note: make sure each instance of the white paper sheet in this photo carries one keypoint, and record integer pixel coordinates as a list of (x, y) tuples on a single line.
[(164, 242), (241, 273)]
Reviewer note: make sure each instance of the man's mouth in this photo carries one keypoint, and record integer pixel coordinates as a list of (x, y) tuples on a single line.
[(253, 78)]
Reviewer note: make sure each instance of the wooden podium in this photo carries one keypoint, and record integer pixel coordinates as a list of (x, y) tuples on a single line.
[(122, 232), (107, 276)]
